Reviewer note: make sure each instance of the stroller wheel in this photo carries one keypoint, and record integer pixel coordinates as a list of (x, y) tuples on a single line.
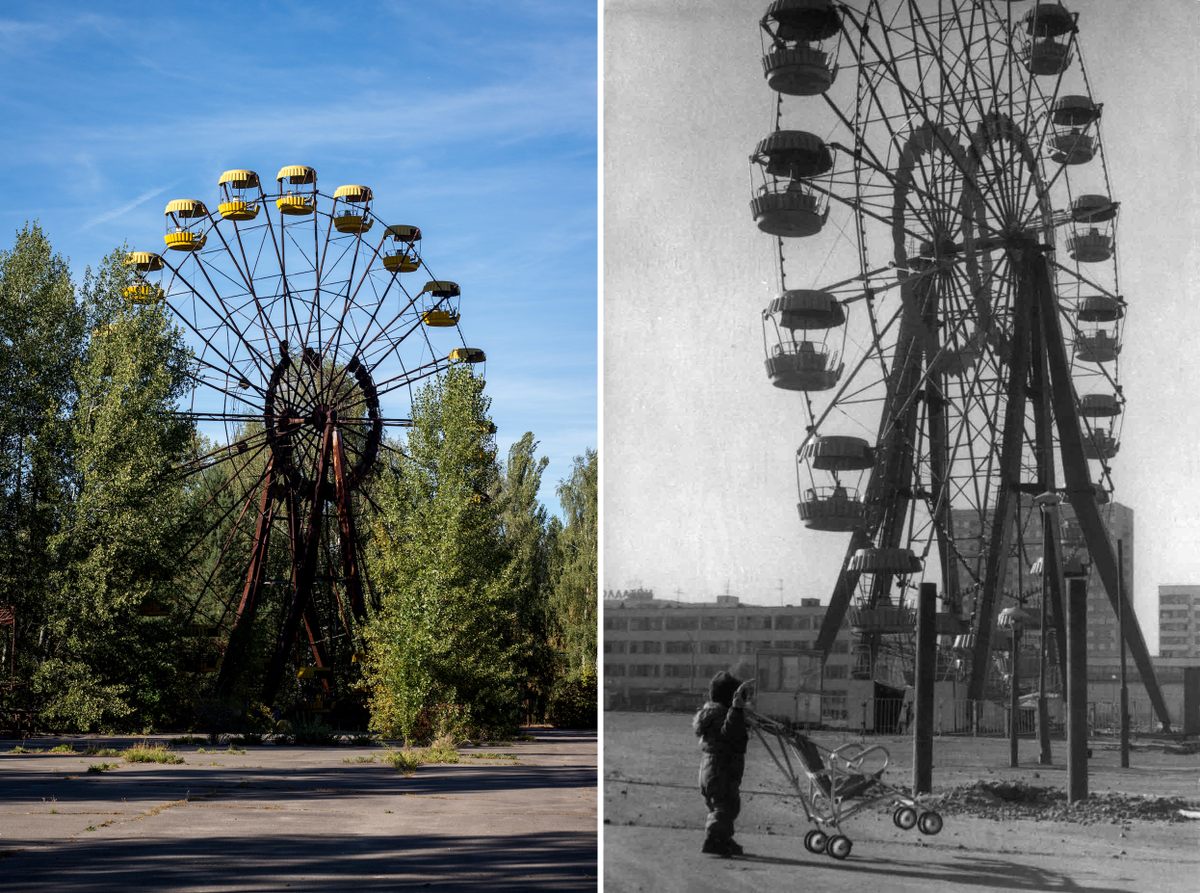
[(905, 817), (839, 846), (929, 823), (815, 841)]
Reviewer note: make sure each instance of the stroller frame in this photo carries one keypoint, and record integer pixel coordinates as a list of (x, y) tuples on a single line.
[(834, 785)]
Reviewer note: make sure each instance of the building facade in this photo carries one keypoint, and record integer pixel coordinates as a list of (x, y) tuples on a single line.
[(1102, 625), (662, 653), (1179, 621)]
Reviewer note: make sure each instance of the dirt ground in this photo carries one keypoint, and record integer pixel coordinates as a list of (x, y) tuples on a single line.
[(654, 820), (300, 818)]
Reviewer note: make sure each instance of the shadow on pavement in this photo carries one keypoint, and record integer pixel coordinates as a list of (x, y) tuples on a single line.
[(549, 861), (963, 872)]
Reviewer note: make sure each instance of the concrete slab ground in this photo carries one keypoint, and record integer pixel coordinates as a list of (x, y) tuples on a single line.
[(301, 818), (654, 823)]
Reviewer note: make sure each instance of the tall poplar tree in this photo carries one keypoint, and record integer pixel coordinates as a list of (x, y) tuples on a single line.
[(112, 653), (444, 650), (41, 337)]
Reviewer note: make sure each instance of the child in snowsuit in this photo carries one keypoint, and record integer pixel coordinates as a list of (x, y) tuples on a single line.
[(721, 726)]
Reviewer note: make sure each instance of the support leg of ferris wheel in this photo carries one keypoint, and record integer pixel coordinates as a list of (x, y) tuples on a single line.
[(1080, 492), (244, 618), (345, 515), (305, 565), (1043, 421), (1012, 435)]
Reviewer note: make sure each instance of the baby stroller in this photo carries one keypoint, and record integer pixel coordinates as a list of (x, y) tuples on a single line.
[(836, 784)]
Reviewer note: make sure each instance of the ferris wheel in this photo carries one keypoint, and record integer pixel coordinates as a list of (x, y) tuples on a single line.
[(309, 322), (947, 307)]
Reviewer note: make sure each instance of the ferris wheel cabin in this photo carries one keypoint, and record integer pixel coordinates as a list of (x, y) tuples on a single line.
[(405, 256), (240, 193), (796, 62), (445, 311), (141, 290), (834, 508), (352, 209), (185, 224), (1071, 143), (797, 363), (297, 190), (1045, 52), (1095, 243), (786, 204)]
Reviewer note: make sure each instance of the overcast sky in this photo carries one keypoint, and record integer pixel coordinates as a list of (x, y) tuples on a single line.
[(699, 487)]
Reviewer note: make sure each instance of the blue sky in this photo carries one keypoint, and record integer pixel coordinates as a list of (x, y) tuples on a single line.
[(474, 120)]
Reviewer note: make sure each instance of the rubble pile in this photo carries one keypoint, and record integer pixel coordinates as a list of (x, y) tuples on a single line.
[(1004, 800)]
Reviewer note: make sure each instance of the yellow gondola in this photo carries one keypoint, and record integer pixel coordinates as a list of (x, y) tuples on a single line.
[(142, 292), (438, 319), (240, 190), (467, 355), (406, 258), (184, 216), (144, 261), (294, 200), (354, 215)]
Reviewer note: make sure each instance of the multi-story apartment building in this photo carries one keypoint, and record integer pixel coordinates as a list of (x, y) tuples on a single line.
[(660, 652), (1179, 621), (1102, 626)]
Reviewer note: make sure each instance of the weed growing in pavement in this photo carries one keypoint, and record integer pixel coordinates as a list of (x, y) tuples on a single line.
[(19, 749), (440, 751), (150, 753), (492, 756), (61, 748), (369, 758), (102, 767)]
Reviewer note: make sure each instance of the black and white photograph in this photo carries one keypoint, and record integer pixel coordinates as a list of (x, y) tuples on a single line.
[(899, 501)]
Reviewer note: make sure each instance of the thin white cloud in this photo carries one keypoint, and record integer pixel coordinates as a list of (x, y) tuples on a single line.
[(126, 208)]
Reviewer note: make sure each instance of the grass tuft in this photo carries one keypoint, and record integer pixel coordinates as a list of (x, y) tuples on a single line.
[(61, 748), (492, 756), (369, 758), (230, 749), (18, 749), (406, 761), (150, 753), (102, 767)]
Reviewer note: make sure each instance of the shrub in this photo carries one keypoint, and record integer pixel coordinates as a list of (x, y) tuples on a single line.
[(573, 701)]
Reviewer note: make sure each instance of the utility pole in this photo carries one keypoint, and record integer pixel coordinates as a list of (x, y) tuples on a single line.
[(1121, 640), (1076, 573), (1048, 504), (923, 691)]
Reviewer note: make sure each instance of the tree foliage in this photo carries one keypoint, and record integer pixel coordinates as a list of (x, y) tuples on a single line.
[(573, 600), (118, 565), (118, 553), (41, 340), (444, 651)]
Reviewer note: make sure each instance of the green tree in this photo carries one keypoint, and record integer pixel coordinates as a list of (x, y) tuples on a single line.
[(41, 337), (573, 606), (524, 529), (118, 553), (573, 602), (444, 650)]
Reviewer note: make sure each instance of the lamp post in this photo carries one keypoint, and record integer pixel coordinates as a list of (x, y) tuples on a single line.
[(1048, 504), (1014, 619)]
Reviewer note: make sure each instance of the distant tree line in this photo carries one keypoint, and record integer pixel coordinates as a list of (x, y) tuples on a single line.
[(486, 604)]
